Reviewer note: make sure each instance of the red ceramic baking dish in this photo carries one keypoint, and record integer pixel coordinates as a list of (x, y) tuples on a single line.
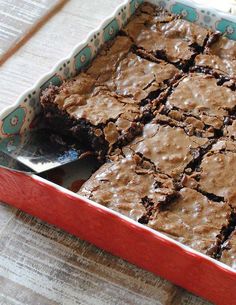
[(90, 221)]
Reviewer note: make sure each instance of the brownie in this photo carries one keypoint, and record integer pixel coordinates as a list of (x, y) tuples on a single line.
[(219, 56), (102, 107), (170, 149), (193, 220), (199, 96), (167, 37), (129, 186), (92, 114), (122, 71), (228, 255), (217, 171), (109, 56), (141, 79), (157, 106)]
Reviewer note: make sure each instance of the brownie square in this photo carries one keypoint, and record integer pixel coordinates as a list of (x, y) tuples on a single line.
[(199, 96), (228, 255), (217, 171), (141, 79), (193, 220), (122, 71), (103, 107), (219, 56), (129, 186), (91, 114), (105, 63), (164, 36), (169, 148)]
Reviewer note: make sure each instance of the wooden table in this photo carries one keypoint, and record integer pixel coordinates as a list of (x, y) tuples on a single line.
[(40, 264)]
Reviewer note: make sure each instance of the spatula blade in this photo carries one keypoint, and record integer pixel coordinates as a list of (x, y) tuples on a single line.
[(39, 151)]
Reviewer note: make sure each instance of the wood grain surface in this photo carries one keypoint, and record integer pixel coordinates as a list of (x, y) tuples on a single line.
[(20, 19), (40, 264)]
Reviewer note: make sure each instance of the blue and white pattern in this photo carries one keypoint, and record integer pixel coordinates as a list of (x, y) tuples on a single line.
[(204, 16)]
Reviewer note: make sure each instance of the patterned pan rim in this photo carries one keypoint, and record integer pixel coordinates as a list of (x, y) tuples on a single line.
[(202, 6), (6, 111)]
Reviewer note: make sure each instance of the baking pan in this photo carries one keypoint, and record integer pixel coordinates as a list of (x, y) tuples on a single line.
[(90, 221)]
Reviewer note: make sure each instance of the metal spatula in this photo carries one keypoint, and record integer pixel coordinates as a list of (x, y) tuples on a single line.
[(38, 151)]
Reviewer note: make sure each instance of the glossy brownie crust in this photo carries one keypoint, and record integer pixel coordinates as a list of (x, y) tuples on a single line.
[(130, 186), (99, 118), (218, 56), (158, 107), (105, 106), (228, 255), (164, 36)]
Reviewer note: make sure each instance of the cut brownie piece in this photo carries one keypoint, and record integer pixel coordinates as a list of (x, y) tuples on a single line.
[(93, 115), (217, 172), (128, 74), (198, 95), (219, 56), (228, 255), (102, 107), (166, 36), (54, 99), (170, 149), (105, 63), (194, 220), (139, 78), (129, 186)]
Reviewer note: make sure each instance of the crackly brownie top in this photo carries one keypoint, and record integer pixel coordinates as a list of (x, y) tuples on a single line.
[(193, 219), (220, 56), (175, 38), (96, 106), (82, 99), (100, 107), (191, 124), (114, 114), (106, 61), (220, 65), (80, 86), (218, 171), (229, 251), (224, 48), (169, 148), (200, 95), (137, 77), (126, 184)]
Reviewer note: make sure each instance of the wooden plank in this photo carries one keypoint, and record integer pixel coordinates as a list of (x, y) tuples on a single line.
[(43, 263), (46, 261), (20, 19), (6, 214)]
